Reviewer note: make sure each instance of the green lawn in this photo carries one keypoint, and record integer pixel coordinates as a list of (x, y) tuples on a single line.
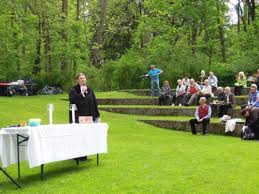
[(141, 158)]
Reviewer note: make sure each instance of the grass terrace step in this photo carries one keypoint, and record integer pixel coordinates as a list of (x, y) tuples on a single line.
[(158, 110), (146, 92), (213, 127), (147, 100)]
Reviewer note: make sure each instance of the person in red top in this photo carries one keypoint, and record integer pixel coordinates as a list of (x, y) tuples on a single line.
[(202, 115), (192, 92)]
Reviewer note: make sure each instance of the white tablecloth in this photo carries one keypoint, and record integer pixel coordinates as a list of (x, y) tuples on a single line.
[(50, 143)]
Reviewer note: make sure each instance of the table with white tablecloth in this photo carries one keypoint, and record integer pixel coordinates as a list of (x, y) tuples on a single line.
[(51, 143)]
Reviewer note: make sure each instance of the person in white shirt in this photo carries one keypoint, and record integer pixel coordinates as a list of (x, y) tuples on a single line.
[(179, 93), (213, 81), (206, 90)]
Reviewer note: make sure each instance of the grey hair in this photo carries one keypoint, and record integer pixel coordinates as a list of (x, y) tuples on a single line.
[(203, 99), (227, 88), (254, 86)]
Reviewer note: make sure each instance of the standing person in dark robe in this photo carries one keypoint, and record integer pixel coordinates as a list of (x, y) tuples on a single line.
[(84, 99)]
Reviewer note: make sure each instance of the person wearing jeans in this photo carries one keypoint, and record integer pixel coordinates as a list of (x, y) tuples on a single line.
[(153, 74), (202, 116)]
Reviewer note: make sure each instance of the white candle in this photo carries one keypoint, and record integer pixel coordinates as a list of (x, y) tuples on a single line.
[(50, 109), (50, 116), (73, 115)]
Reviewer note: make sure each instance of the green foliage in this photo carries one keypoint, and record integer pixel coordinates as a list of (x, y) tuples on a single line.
[(39, 40)]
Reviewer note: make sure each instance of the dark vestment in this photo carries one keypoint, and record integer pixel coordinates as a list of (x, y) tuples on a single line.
[(86, 106)]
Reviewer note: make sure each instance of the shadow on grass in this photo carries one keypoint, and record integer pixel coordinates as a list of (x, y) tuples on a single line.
[(52, 171)]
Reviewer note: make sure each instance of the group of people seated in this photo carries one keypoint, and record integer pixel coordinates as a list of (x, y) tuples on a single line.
[(188, 92), (241, 82)]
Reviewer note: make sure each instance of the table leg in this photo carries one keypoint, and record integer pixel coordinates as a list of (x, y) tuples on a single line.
[(18, 157), (10, 178), (42, 172)]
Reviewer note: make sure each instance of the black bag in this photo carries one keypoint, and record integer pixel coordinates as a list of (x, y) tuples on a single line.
[(247, 134)]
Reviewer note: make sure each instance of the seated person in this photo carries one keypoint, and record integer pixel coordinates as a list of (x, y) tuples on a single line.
[(179, 93), (252, 119), (206, 90), (213, 81), (202, 78), (23, 91), (11, 91), (241, 83), (254, 94), (256, 78), (192, 92), (186, 82), (166, 93), (227, 99), (202, 115)]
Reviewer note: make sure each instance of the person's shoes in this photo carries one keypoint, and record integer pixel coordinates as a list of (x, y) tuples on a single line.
[(187, 104), (180, 104), (172, 104), (204, 133)]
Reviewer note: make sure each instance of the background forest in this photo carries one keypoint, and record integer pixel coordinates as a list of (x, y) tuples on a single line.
[(115, 41)]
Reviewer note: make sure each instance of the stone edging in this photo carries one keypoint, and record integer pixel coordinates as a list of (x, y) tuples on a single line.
[(181, 111), (144, 101), (213, 128)]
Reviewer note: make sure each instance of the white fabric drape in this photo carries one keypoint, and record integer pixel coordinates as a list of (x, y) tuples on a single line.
[(50, 143)]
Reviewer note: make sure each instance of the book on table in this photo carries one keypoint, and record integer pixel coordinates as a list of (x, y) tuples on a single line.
[(85, 119)]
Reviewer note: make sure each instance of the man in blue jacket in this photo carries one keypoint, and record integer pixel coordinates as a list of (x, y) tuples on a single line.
[(153, 74)]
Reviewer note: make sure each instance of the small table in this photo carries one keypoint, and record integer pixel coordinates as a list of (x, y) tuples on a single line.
[(50, 143)]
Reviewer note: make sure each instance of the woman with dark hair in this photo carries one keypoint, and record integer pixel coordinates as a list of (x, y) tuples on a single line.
[(84, 99)]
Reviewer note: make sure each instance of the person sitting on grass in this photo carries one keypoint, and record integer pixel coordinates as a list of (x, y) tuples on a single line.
[(179, 93), (192, 92), (241, 83), (202, 116), (165, 96)]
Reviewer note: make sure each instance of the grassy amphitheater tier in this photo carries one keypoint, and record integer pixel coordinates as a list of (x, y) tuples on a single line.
[(176, 118), (149, 101), (213, 128), (146, 92), (158, 110)]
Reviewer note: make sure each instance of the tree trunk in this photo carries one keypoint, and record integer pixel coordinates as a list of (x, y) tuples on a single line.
[(243, 15), (47, 48), (253, 10), (77, 10), (194, 38), (221, 33), (238, 11), (98, 37), (36, 68), (64, 65)]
